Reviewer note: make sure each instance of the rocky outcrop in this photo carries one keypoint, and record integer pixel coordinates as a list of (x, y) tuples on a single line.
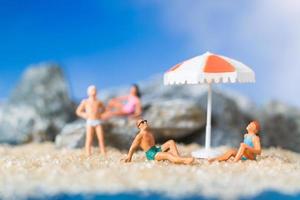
[(230, 111), (281, 126), (173, 119), (72, 135), (38, 108), (174, 112)]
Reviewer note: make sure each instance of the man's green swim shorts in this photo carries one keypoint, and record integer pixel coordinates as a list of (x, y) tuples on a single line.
[(151, 153)]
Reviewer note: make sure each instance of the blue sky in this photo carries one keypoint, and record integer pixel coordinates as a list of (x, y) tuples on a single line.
[(116, 42)]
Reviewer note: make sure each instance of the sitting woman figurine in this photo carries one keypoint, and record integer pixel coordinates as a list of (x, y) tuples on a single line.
[(249, 149), (129, 105)]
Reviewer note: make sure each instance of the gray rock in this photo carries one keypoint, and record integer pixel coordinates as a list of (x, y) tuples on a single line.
[(38, 108), (228, 120), (178, 112), (231, 112), (281, 126), (72, 135), (173, 119), (118, 133)]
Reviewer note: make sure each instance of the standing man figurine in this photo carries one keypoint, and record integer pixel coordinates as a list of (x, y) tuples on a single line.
[(91, 110)]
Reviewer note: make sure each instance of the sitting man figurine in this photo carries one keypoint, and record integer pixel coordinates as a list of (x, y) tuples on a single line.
[(249, 149), (92, 109), (145, 140)]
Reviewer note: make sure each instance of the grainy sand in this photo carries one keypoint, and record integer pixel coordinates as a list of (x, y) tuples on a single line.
[(33, 169)]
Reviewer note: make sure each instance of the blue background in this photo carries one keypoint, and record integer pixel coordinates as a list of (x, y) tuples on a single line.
[(116, 42)]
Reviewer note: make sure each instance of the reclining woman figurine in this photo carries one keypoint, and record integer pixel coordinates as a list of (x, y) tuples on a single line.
[(129, 105), (249, 149), (145, 140)]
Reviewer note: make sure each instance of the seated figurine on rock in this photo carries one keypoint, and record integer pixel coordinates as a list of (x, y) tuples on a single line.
[(249, 149), (129, 105), (91, 110), (145, 140)]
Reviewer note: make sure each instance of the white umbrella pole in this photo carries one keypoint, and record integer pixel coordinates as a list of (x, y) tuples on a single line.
[(208, 118), (207, 152)]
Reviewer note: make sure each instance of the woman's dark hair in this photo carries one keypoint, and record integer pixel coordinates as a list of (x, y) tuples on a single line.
[(138, 91)]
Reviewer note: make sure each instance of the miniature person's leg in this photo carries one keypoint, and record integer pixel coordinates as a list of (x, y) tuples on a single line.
[(118, 113), (226, 156), (114, 104), (243, 152), (100, 136), (89, 140), (114, 108), (174, 159), (240, 153), (170, 146), (249, 155)]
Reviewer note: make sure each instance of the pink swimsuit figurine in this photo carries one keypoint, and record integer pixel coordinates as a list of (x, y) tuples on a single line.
[(129, 105)]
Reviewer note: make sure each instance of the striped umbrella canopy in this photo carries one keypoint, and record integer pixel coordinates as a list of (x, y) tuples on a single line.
[(207, 69)]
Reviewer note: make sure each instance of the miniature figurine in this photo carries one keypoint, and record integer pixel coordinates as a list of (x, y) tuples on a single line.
[(249, 149), (145, 140), (92, 109), (129, 105)]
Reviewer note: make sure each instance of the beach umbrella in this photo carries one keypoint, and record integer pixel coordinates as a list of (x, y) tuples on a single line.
[(207, 69)]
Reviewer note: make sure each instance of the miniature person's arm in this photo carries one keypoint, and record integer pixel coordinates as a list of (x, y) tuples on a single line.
[(134, 146), (102, 107), (122, 98), (80, 111), (257, 147)]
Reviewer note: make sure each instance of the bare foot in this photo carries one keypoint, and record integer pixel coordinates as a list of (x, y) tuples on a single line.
[(88, 154), (211, 160), (236, 160), (88, 151)]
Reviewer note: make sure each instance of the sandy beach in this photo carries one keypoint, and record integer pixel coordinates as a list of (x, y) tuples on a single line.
[(36, 169)]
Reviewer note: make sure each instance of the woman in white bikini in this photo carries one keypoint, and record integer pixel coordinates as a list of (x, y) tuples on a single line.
[(92, 109)]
